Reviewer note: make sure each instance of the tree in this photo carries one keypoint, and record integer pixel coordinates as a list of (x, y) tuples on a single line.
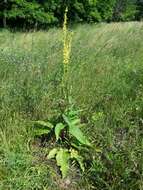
[(44, 13), (106, 8), (125, 10), (29, 13), (139, 14), (3, 12), (5, 15)]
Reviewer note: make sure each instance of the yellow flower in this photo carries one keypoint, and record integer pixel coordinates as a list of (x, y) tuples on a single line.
[(67, 40)]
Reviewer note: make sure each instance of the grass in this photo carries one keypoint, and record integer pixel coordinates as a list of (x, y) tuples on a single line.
[(106, 79)]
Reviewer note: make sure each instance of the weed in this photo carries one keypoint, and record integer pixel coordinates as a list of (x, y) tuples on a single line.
[(68, 129)]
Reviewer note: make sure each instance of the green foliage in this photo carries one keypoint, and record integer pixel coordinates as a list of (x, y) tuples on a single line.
[(29, 13), (42, 14), (67, 133), (42, 128), (74, 130), (139, 14), (105, 8), (62, 159), (59, 127), (52, 153), (75, 155), (125, 10)]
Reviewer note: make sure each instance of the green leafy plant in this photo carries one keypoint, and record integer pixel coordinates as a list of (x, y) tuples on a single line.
[(70, 140)]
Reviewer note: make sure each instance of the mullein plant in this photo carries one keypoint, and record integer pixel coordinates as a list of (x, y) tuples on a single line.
[(67, 40), (70, 142)]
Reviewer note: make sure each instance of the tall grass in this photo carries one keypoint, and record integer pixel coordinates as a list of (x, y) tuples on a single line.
[(106, 79)]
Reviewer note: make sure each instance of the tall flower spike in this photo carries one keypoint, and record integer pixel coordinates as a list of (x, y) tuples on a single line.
[(67, 39)]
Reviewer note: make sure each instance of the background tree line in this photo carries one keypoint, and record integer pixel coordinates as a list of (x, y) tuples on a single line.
[(44, 13)]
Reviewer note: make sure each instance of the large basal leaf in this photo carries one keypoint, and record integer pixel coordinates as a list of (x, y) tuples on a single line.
[(78, 158), (44, 124), (62, 159), (39, 132), (52, 153), (42, 128), (59, 127), (76, 131)]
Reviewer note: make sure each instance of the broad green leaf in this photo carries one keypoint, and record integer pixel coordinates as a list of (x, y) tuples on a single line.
[(44, 124), (62, 159), (78, 158), (39, 132), (52, 153), (59, 127), (76, 132), (76, 122), (66, 120)]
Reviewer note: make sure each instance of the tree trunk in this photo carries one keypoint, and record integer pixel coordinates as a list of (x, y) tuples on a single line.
[(4, 21), (4, 14)]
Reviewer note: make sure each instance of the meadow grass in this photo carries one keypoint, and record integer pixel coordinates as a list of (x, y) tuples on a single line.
[(106, 80)]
